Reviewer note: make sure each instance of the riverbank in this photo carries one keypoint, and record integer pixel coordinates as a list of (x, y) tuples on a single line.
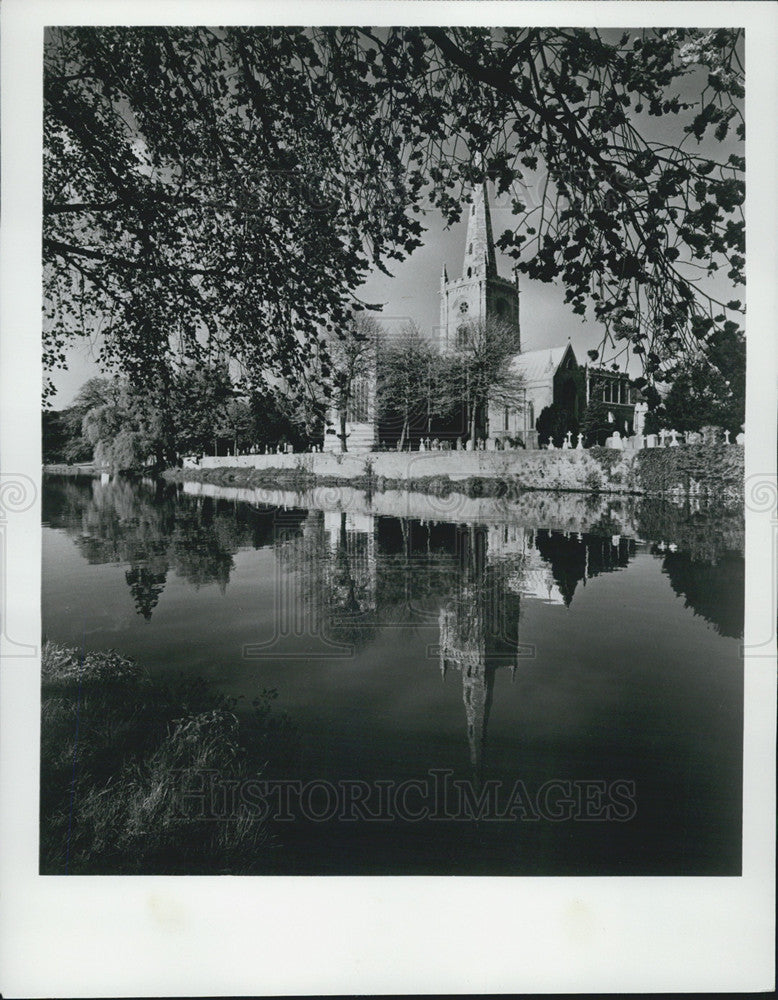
[(120, 749), (80, 469), (699, 471)]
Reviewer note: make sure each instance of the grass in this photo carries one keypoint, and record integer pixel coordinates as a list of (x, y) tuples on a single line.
[(118, 748)]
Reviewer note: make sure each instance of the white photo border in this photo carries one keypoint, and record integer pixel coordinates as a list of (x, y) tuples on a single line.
[(136, 936)]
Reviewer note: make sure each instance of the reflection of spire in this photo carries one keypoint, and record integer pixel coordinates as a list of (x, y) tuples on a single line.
[(479, 629)]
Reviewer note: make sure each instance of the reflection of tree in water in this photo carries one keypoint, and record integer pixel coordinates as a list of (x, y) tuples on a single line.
[(716, 591), (580, 557), (706, 531), (329, 585), (155, 530), (146, 586)]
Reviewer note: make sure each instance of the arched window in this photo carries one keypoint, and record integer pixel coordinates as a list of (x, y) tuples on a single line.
[(470, 272), (461, 337), (507, 423), (470, 248), (531, 416)]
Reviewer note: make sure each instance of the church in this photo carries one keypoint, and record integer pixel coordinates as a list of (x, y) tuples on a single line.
[(549, 375)]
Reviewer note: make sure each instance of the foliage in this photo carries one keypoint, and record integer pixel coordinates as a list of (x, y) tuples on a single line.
[(553, 423), (408, 377), (111, 786), (63, 438), (596, 425), (229, 189), (652, 423), (717, 470), (480, 372), (711, 388)]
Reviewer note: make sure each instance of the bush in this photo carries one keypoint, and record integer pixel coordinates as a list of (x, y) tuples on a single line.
[(118, 749)]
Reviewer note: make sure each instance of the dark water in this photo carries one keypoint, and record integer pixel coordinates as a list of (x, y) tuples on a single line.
[(590, 679)]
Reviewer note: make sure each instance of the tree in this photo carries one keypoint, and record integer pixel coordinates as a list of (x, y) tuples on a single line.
[(407, 375), (553, 423), (134, 427), (710, 390), (201, 397), (230, 189), (72, 445), (480, 372), (353, 351), (596, 423)]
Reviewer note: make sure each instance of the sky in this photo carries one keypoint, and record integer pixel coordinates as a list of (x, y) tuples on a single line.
[(413, 292)]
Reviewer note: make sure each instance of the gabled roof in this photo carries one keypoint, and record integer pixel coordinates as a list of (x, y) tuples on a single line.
[(535, 366)]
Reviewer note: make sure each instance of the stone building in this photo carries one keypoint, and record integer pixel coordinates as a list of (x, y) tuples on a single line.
[(480, 292), (550, 375)]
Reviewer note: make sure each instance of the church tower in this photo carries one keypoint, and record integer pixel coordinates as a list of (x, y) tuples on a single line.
[(480, 292)]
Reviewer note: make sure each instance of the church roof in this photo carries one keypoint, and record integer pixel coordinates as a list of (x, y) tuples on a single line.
[(535, 366), (479, 248)]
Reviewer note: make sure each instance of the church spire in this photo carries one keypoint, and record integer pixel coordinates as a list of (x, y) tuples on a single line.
[(479, 248)]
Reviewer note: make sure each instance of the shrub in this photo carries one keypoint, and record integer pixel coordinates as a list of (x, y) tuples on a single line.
[(117, 750)]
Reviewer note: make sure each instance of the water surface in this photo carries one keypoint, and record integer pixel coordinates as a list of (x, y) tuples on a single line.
[(566, 644)]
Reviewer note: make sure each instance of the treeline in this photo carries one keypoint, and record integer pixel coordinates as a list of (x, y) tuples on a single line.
[(122, 426)]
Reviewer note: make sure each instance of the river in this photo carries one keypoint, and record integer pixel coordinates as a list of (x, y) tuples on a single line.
[(570, 666)]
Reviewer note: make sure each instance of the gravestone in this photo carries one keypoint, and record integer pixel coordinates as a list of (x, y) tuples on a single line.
[(673, 439), (579, 446), (741, 438), (652, 441), (726, 437), (710, 435)]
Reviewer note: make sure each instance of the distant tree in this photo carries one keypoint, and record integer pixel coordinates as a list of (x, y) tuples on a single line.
[(407, 377), (201, 398), (134, 428), (711, 389), (54, 436), (553, 423), (353, 353), (480, 371), (94, 392), (596, 423)]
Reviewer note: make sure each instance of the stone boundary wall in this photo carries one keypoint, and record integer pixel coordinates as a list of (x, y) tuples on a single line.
[(455, 465), (715, 471)]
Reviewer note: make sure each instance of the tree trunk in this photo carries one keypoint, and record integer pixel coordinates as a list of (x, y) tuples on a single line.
[(403, 433), (342, 434)]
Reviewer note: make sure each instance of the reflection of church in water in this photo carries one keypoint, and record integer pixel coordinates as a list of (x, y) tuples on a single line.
[(479, 625), (483, 575)]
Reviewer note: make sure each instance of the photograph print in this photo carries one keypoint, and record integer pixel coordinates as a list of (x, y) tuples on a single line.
[(393, 447)]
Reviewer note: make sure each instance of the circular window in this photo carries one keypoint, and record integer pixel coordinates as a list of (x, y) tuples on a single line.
[(463, 307)]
